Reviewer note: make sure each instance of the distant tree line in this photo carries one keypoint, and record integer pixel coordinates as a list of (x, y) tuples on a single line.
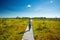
[(34, 18)]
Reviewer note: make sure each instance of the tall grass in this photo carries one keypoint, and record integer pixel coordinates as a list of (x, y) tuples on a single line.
[(12, 28), (46, 29)]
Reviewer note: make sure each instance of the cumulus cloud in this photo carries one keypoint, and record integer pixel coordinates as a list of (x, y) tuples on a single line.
[(29, 6), (51, 1)]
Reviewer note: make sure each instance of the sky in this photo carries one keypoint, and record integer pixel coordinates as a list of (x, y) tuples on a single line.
[(30, 8)]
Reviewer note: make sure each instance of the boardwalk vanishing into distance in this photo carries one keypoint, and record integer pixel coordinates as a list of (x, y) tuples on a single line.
[(28, 35)]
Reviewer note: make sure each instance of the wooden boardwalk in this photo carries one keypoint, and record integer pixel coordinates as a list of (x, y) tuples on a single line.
[(28, 35)]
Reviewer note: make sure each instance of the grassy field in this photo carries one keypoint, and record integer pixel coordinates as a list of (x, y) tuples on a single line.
[(12, 28), (43, 29), (46, 29)]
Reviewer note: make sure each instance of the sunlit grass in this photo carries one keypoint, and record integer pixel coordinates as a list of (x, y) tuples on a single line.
[(12, 28), (46, 29)]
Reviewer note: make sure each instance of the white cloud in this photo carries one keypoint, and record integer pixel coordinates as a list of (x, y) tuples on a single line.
[(51, 1), (29, 6)]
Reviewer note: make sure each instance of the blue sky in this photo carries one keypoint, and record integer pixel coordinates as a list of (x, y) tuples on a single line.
[(30, 8)]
